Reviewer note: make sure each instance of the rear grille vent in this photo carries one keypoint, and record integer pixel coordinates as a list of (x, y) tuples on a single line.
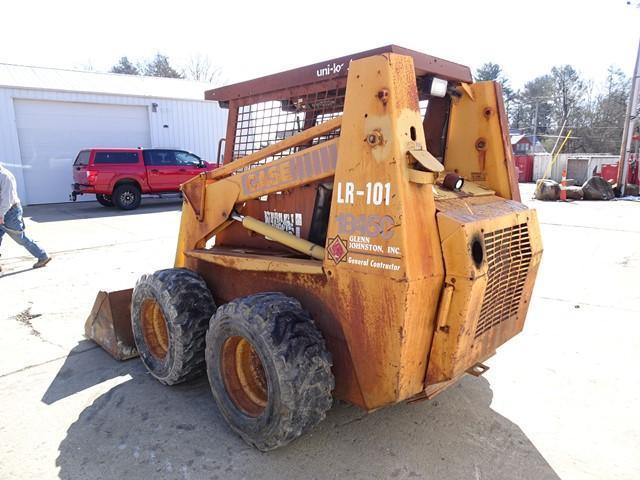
[(508, 253)]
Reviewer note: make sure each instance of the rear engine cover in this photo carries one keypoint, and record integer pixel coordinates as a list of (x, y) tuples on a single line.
[(492, 249)]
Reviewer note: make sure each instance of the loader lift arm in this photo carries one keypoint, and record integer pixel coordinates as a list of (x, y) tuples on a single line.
[(212, 197)]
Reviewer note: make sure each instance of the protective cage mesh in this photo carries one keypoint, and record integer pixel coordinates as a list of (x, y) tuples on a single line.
[(265, 123)]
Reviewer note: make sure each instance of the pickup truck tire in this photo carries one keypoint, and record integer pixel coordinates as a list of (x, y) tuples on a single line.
[(127, 196), (269, 369), (170, 312), (104, 200)]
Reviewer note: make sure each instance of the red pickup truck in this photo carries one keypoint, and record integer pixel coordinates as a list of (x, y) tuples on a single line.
[(120, 176)]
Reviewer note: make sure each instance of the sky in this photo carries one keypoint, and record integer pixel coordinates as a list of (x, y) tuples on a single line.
[(248, 39)]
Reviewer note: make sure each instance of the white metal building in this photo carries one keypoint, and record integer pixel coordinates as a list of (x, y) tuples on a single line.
[(48, 115), (579, 166)]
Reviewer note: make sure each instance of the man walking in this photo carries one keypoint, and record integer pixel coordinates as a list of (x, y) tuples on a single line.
[(11, 221)]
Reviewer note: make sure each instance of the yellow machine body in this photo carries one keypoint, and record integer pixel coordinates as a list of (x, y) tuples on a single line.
[(417, 282)]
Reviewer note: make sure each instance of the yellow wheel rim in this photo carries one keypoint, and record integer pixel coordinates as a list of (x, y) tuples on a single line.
[(154, 329), (243, 376)]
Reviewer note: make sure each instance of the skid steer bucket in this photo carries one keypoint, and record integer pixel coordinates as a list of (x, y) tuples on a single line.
[(109, 324)]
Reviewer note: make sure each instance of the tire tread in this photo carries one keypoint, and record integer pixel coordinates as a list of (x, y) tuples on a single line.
[(300, 357), (187, 304)]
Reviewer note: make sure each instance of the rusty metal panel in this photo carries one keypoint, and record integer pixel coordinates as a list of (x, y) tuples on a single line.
[(256, 262), (509, 165), (336, 68), (434, 123), (297, 169), (481, 153), (109, 323), (492, 249), (384, 261), (290, 211)]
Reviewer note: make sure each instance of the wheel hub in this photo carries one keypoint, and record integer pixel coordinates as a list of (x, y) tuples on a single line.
[(126, 198), (154, 329), (244, 376)]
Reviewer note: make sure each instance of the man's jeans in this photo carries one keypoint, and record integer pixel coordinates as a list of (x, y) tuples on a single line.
[(14, 227)]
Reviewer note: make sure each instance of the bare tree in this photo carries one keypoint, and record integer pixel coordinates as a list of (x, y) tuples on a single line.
[(86, 66), (568, 93), (603, 121), (200, 68)]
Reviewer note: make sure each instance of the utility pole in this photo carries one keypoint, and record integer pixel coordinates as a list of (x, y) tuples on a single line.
[(537, 101), (631, 123), (535, 127)]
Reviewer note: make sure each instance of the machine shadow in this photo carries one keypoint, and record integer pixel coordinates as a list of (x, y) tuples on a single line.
[(142, 429), (79, 372), (74, 211)]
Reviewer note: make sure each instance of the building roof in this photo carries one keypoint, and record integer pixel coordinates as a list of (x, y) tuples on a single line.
[(41, 78), (517, 138)]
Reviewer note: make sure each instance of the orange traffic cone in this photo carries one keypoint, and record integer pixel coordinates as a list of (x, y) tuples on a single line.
[(563, 186)]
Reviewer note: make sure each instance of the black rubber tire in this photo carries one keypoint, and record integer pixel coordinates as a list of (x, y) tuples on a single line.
[(104, 200), (127, 196), (187, 305), (295, 361)]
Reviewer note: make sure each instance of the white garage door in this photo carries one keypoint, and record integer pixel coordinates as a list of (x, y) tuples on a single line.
[(52, 133)]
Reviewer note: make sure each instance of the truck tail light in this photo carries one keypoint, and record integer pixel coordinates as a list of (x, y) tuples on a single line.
[(91, 176)]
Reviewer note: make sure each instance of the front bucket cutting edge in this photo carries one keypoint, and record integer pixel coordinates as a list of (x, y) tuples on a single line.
[(109, 324)]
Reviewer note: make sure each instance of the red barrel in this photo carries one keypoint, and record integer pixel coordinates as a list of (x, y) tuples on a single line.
[(609, 171)]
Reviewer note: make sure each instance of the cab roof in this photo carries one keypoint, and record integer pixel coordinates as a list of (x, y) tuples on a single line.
[(334, 69)]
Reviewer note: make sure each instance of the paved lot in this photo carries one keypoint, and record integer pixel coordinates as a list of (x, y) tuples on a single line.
[(560, 401)]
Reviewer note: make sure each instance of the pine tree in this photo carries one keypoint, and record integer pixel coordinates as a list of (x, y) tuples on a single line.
[(160, 67), (126, 67)]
